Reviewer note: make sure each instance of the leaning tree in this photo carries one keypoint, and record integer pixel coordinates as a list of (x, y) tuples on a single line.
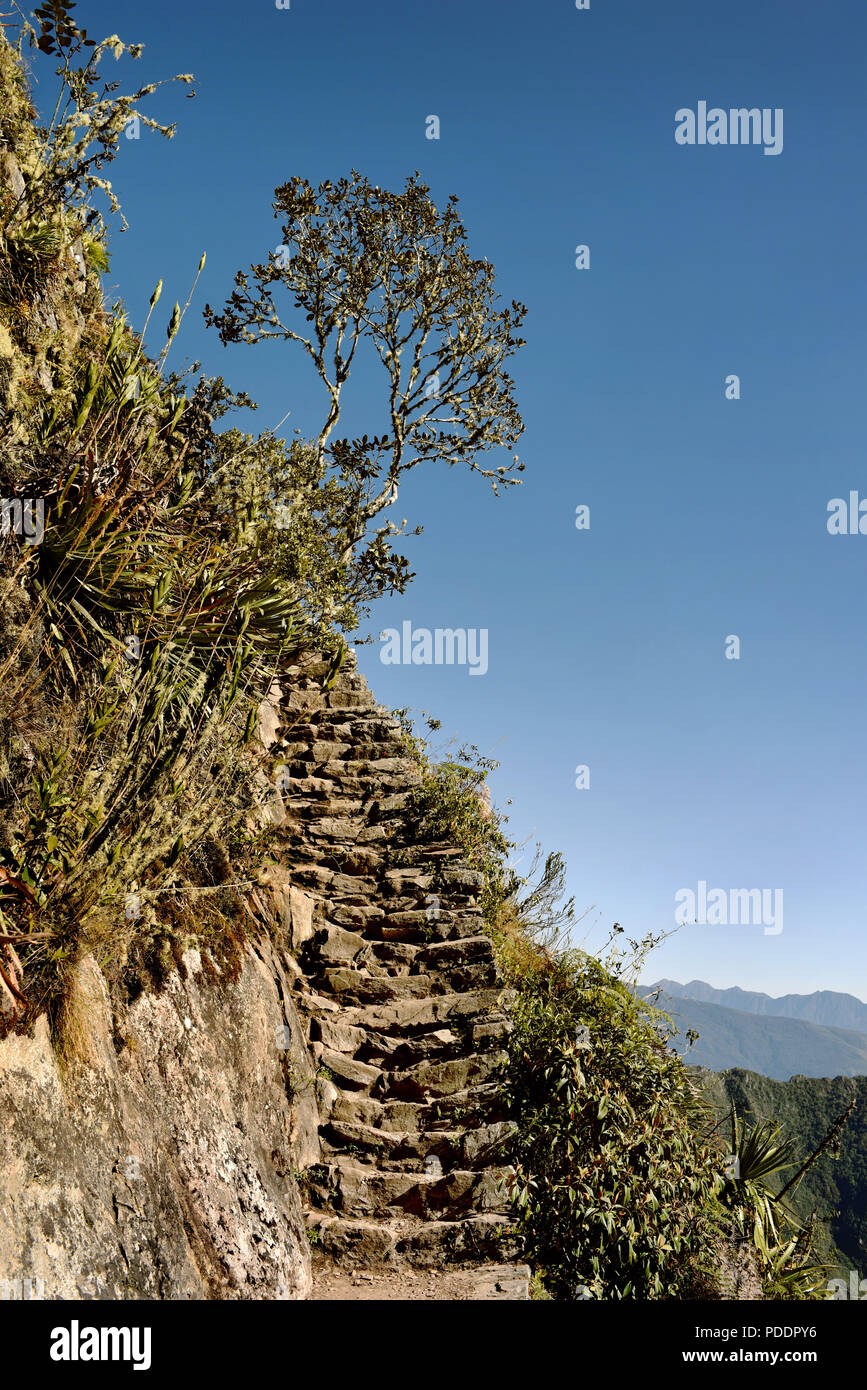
[(361, 268)]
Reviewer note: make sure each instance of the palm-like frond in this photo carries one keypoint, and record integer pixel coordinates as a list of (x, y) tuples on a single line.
[(759, 1153)]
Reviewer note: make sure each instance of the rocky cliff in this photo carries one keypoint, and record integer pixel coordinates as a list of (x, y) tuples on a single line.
[(159, 1165), (347, 1067)]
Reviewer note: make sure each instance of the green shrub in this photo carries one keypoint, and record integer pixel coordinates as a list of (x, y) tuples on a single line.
[(615, 1186)]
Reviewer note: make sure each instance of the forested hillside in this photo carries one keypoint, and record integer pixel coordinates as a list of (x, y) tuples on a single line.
[(807, 1107)]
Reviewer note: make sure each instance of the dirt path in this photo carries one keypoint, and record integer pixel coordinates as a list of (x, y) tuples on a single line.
[(481, 1282)]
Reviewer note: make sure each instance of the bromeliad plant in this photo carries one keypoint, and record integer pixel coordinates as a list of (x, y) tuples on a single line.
[(760, 1155), (160, 634)]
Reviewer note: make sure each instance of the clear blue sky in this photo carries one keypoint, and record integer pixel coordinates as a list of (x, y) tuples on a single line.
[(708, 516)]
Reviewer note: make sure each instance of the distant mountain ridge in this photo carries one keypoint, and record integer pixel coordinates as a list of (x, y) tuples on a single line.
[(777, 1047), (824, 1006)]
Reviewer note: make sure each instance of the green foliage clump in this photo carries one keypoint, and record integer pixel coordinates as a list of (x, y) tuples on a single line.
[(615, 1183), (52, 182), (142, 630), (159, 635), (87, 123)]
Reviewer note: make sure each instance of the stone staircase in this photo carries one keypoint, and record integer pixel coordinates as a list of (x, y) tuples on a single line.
[(404, 1008)]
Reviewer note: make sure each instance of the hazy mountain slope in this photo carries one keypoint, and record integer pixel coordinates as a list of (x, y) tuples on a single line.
[(777, 1047), (824, 1007)]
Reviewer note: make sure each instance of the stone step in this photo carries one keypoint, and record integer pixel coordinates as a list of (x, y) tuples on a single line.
[(322, 750), (338, 1036), (360, 861), (389, 954), (409, 1017), (379, 969), (400, 1148), (333, 945), (460, 980), (426, 1082), (484, 1236), (387, 1052), (374, 834), (399, 1054), (441, 1045), (394, 1117), (437, 851), (346, 1071), (315, 807), (310, 780), (356, 1189), (372, 772), (366, 728), (359, 919), (474, 1107), (360, 989), (332, 830), (426, 924), (352, 890), (410, 1149), (360, 1244), (366, 1244), (431, 1080), (308, 788), (396, 881), (458, 953), (355, 775), (487, 1034)]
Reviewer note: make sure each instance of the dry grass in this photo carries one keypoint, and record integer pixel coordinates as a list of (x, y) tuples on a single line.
[(81, 1017)]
